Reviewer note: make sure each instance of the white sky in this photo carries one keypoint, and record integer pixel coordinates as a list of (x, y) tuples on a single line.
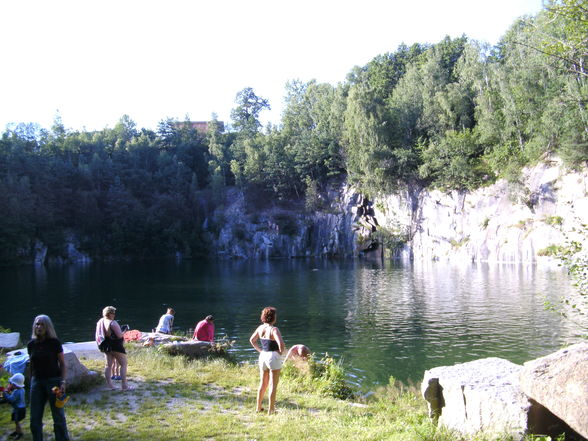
[(96, 60)]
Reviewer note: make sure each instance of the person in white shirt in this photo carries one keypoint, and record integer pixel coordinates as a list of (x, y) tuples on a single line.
[(166, 322)]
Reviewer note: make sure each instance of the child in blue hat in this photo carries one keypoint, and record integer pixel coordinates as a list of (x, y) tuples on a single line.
[(15, 395)]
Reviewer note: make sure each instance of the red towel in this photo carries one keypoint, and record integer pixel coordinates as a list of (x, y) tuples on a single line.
[(132, 335)]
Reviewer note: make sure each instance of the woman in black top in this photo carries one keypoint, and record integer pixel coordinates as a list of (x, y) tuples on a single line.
[(47, 371), (270, 356)]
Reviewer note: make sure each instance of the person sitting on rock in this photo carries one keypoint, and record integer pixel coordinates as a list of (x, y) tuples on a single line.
[(205, 329), (166, 322)]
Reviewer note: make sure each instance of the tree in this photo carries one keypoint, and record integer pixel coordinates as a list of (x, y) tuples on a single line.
[(246, 115), (455, 162), (568, 41), (312, 127)]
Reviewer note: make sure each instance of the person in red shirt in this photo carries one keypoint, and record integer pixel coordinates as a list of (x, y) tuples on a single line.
[(205, 329)]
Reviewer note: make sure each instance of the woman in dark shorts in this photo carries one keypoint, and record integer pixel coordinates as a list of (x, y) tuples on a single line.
[(47, 371), (109, 338)]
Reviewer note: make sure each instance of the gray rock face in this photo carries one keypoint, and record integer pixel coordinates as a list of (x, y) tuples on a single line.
[(499, 223), (559, 382), (478, 396), (279, 232), (502, 222)]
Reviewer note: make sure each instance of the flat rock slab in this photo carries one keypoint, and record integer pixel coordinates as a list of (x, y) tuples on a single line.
[(559, 382), (9, 340), (84, 350)]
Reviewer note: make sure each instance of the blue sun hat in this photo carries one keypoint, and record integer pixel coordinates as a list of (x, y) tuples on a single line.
[(17, 380)]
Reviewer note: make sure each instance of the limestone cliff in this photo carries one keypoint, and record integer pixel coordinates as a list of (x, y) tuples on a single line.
[(503, 222)]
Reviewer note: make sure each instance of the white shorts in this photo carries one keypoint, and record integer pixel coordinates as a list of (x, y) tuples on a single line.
[(271, 361)]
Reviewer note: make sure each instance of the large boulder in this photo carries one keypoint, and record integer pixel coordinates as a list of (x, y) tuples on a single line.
[(478, 396), (77, 373), (9, 340), (559, 382)]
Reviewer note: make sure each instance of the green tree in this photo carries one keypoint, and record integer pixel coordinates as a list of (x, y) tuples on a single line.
[(246, 115)]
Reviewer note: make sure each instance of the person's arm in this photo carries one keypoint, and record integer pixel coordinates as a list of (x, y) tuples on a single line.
[(115, 328), (278, 337), (289, 353), (63, 368), (211, 332), (253, 340), (30, 352)]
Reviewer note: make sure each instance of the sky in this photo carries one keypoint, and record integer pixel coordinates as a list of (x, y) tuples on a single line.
[(93, 61)]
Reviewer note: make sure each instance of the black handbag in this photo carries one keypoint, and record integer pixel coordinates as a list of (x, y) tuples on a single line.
[(104, 346)]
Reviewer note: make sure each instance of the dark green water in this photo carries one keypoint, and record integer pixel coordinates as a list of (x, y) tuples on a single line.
[(382, 320)]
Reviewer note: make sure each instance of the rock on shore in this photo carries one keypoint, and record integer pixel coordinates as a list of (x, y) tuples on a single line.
[(545, 396)]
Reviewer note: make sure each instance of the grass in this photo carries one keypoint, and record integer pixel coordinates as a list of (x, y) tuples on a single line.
[(214, 399)]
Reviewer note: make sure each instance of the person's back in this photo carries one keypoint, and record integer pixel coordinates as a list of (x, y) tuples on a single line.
[(166, 322), (205, 329)]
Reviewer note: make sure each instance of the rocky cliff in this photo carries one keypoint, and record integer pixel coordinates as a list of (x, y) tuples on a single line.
[(504, 222)]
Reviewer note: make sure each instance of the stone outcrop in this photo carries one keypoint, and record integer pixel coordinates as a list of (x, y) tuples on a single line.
[(478, 396), (559, 382), (503, 222), (278, 232), (548, 396)]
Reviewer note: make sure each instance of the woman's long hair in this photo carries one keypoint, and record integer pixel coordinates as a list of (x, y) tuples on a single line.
[(49, 328)]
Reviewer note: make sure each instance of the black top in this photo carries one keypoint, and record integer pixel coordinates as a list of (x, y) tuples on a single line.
[(43, 356), (269, 345)]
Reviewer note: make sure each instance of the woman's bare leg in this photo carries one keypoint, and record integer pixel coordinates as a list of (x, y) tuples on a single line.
[(263, 381), (122, 361), (275, 379), (108, 369)]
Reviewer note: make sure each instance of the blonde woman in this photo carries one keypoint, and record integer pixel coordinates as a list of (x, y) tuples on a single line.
[(109, 338), (48, 370), (270, 356)]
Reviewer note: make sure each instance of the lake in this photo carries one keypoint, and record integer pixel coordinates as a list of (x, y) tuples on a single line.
[(381, 319)]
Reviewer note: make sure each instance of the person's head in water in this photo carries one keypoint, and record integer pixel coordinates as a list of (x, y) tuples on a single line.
[(269, 315)]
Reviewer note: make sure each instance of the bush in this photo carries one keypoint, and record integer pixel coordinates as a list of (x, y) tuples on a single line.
[(326, 376)]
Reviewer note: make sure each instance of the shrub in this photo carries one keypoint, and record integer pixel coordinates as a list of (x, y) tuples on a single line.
[(553, 220), (326, 376), (551, 250)]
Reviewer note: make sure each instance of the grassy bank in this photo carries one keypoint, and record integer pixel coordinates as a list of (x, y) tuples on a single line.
[(178, 399)]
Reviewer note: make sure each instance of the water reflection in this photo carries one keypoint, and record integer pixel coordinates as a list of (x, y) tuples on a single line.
[(382, 319)]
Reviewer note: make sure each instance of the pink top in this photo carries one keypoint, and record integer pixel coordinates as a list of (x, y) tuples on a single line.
[(204, 331)]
